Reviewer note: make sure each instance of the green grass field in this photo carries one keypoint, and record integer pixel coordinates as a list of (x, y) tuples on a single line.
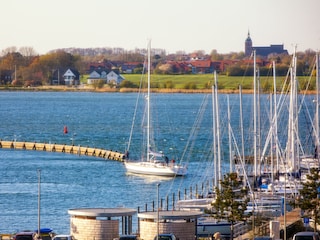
[(203, 80)]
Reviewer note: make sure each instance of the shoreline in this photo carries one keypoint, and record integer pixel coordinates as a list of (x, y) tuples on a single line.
[(113, 90), (128, 90)]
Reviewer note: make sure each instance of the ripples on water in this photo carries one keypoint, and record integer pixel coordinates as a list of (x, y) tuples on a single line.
[(101, 120)]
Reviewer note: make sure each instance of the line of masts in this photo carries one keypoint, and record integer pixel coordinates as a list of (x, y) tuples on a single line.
[(293, 142)]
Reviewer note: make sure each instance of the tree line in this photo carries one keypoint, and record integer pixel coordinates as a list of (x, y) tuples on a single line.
[(26, 67)]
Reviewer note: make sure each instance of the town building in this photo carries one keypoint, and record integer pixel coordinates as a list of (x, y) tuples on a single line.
[(263, 51)]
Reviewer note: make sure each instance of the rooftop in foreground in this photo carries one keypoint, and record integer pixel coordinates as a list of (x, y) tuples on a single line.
[(172, 215), (102, 212)]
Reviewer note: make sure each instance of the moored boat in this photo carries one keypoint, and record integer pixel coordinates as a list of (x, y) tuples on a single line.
[(153, 163), (157, 166)]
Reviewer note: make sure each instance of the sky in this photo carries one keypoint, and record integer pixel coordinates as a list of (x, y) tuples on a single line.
[(173, 25)]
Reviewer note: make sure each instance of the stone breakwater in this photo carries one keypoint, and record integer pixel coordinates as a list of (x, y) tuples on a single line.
[(63, 148)]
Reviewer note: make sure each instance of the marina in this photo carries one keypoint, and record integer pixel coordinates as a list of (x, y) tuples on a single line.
[(84, 181), (104, 138)]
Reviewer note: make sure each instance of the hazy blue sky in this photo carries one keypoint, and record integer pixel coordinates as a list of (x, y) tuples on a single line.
[(173, 25)]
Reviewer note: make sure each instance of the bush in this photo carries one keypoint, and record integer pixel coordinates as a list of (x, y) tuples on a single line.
[(17, 83), (127, 84), (169, 84), (190, 85), (98, 84)]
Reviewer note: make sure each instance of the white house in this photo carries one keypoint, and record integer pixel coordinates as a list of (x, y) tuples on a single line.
[(96, 76), (71, 77), (111, 77)]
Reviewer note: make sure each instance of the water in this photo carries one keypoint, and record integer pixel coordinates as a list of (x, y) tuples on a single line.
[(101, 120)]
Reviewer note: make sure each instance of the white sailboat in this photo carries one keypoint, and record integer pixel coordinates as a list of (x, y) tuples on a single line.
[(156, 163)]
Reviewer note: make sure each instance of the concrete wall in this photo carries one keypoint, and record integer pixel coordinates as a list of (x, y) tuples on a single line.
[(93, 229), (181, 229)]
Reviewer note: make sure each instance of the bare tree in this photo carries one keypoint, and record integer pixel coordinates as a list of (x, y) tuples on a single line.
[(27, 51), (8, 50)]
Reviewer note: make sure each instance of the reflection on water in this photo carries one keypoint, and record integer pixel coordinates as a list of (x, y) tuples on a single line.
[(148, 178)]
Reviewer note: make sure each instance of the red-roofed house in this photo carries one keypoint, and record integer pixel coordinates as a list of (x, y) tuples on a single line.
[(202, 66)]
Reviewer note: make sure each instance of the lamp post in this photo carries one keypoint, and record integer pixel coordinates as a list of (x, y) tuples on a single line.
[(39, 185), (158, 185)]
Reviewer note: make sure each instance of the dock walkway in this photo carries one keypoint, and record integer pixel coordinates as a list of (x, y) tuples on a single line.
[(290, 219), (63, 148)]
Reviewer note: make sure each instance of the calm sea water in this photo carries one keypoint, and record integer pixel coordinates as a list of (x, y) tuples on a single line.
[(104, 120)]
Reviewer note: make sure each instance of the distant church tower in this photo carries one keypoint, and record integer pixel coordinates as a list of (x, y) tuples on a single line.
[(248, 46)]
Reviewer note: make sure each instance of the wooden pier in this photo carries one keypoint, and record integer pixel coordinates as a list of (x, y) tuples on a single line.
[(62, 148)]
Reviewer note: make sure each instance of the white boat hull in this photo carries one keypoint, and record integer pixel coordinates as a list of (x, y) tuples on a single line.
[(155, 169), (199, 204)]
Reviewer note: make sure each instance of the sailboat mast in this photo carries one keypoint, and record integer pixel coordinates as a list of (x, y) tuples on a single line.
[(217, 128), (272, 136), (258, 119), (275, 121), (255, 113), (229, 136), (317, 106), (148, 101), (292, 117), (214, 126), (241, 123)]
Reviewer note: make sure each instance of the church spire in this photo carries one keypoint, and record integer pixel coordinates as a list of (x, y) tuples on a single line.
[(248, 45)]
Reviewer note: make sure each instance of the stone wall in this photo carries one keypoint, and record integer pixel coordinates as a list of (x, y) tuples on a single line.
[(93, 229)]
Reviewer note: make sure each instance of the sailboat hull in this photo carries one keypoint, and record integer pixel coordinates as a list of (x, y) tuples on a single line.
[(155, 169)]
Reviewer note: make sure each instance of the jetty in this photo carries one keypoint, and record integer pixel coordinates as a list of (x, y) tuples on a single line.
[(63, 148)]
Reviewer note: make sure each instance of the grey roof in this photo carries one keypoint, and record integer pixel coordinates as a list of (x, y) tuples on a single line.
[(102, 212), (173, 215)]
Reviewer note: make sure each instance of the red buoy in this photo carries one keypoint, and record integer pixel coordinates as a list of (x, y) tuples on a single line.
[(65, 130)]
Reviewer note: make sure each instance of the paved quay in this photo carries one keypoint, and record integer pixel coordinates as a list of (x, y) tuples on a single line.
[(287, 220)]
